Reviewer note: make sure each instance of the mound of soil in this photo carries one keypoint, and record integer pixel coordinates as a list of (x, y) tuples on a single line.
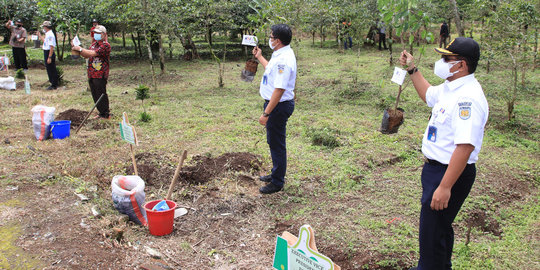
[(158, 169), (154, 169), (364, 260), (206, 168), (392, 119), (480, 220), (19, 85), (75, 116)]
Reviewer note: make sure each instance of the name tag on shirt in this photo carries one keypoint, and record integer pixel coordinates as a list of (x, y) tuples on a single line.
[(265, 80), (432, 134)]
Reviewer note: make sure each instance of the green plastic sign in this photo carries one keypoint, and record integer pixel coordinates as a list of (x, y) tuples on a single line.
[(127, 132), (300, 256)]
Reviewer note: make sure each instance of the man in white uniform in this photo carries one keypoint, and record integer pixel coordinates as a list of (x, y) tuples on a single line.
[(451, 145), (49, 43), (277, 89)]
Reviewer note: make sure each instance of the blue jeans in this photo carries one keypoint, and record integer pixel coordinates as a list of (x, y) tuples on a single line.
[(276, 127), (349, 39), (436, 233)]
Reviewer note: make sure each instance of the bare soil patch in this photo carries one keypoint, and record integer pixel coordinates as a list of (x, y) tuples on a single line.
[(157, 169), (77, 116), (364, 260), (480, 219)]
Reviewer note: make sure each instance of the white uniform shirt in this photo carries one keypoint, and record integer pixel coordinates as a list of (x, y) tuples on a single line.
[(280, 73), (460, 112), (49, 40)]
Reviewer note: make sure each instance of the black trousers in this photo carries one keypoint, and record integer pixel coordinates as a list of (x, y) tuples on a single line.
[(436, 232), (19, 57), (51, 68), (382, 39), (276, 133), (98, 87)]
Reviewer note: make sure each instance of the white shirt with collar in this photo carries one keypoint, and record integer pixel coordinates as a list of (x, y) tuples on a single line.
[(49, 40), (280, 73), (460, 112)]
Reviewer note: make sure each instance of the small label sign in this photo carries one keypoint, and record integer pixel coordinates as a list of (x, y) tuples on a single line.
[(399, 75), (249, 40), (302, 255), (127, 132)]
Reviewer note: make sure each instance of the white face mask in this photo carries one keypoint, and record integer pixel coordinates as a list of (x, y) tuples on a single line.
[(442, 69), (270, 44), (97, 37)]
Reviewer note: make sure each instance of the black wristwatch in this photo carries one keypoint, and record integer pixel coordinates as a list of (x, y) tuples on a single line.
[(266, 114), (412, 71)]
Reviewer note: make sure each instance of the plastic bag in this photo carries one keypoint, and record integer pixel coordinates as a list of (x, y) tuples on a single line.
[(42, 116), (249, 71), (8, 83), (128, 197)]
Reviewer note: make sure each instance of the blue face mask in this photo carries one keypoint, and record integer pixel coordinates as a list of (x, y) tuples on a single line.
[(97, 36)]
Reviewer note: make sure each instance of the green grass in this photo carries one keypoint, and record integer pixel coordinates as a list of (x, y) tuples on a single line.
[(355, 179)]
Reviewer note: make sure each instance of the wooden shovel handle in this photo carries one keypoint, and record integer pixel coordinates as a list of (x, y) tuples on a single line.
[(176, 173)]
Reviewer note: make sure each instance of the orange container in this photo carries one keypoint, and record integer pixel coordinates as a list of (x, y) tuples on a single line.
[(160, 222)]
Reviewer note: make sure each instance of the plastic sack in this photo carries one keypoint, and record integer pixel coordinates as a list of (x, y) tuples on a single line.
[(128, 197), (42, 116), (8, 83)]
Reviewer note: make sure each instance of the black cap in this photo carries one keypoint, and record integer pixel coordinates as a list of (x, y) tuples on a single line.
[(19, 21), (95, 21), (462, 46)]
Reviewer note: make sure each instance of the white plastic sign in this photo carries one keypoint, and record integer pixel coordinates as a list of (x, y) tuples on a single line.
[(249, 40), (399, 75), (34, 37), (76, 41)]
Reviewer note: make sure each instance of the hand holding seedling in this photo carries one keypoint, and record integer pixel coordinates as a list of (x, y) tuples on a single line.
[(406, 60), (257, 52)]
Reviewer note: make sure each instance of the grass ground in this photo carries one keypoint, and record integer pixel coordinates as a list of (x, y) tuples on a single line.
[(361, 197)]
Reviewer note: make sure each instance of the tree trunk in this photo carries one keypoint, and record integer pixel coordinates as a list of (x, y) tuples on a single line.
[(161, 54), (209, 35), (312, 38), (61, 57), (134, 44), (123, 39), (456, 18), (149, 47), (391, 61), (139, 43), (170, 45), (535, 47)]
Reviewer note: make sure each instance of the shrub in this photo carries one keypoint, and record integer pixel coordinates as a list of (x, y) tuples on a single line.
[(19, 74), (324, 136)]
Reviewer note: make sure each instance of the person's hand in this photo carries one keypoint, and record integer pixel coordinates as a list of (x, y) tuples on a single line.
[(49, 60), (76, 48), (440, 198), (406, 60), (257, 52), (263, 119)]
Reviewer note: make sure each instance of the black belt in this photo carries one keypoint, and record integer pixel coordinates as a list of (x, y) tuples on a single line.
[(266, 100), (434, 162)]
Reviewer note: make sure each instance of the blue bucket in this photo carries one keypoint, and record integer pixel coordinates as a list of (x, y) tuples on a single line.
[(60, 129)]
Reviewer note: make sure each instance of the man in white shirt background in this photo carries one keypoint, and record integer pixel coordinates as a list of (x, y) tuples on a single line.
[(49, 43), (277, 89)]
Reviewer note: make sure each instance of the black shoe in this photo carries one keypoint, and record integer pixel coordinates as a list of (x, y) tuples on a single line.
[(51, 88), (270, 188), (266, 178)]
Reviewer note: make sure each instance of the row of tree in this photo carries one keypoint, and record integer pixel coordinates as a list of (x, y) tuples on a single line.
[(506, 29)]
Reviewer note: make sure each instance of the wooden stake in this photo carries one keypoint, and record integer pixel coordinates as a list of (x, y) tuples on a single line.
[(133, 159), (84, 120), (176, 173)]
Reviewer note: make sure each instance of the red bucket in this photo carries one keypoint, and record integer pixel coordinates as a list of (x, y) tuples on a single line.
[(160, 222)]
